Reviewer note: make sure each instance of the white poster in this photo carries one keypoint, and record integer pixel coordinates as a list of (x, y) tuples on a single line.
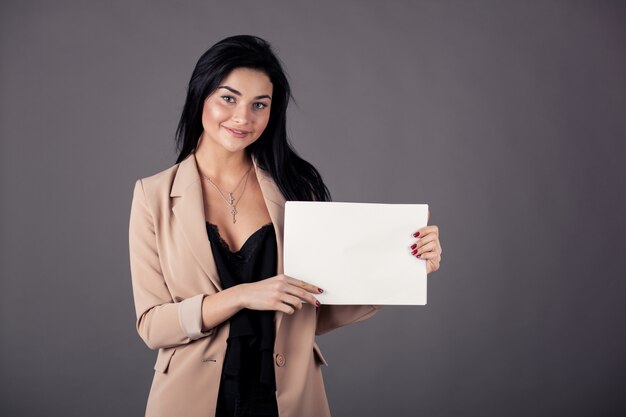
[(359, 253)]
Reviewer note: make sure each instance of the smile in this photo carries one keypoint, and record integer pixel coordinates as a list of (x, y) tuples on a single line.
[(238, 133)]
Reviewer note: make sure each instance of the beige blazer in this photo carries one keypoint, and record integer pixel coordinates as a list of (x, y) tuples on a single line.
[(172, 269)]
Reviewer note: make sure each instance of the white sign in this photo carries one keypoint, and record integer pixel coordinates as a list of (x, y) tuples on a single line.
[(359, 253)]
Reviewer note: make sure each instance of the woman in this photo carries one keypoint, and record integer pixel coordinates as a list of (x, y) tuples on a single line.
[(235, 335)]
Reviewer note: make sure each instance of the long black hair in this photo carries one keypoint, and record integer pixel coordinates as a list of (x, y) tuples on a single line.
[(296, 178)]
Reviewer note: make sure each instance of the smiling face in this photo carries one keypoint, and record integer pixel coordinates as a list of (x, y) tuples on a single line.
[(237, 112)]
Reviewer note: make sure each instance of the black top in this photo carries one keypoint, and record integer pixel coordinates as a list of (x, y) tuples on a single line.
[(249, 354)]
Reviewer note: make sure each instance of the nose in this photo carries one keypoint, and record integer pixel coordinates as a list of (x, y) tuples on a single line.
[(240, 114)]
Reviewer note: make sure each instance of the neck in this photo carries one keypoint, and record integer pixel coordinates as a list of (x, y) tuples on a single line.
[(219, 164)]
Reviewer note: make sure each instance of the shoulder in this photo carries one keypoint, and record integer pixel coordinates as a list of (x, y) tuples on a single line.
[(157, 187), (161, 180)]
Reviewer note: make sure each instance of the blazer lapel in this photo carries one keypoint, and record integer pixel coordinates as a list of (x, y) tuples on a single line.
[(188, 208)]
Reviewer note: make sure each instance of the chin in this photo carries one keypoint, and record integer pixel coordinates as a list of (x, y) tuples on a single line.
[(236, 147), (235, 144)]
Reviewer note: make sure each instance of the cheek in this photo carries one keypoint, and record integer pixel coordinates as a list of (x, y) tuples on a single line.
[(213, 112), (262, 122)]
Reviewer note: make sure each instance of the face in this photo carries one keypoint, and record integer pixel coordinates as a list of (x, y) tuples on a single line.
[(237, 112)]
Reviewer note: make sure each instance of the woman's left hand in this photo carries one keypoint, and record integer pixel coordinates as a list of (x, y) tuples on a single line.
[(427, 247)]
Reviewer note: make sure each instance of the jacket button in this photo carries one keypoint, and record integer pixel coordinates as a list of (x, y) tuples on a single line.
[(280, 359)]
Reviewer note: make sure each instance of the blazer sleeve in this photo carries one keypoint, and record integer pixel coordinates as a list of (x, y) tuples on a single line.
[(160, 321)]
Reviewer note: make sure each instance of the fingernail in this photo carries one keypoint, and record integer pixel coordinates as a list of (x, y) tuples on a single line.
[(416, 234), (317, 303), (413, 246), (414, 252), (320, 290), (418, 255)]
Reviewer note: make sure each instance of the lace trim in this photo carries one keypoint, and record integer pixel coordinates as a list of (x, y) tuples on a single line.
[(225, 245)]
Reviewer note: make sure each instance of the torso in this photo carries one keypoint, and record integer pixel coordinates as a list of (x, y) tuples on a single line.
[(251, 212)]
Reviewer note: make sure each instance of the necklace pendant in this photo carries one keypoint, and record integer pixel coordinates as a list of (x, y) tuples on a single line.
[(233, 211), (231, 199)]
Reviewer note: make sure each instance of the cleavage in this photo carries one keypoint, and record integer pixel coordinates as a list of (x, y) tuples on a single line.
[(250, 238)]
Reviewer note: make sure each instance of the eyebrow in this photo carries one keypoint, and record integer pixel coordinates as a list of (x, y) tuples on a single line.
[(238, 93)]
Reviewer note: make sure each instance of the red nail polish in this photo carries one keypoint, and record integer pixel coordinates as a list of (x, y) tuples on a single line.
[(414, 252), (317, 303), (320, 290), (418, 255), (413, 246), (416, 234)]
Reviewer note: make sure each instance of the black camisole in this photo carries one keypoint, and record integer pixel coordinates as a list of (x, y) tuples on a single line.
[(249, 354)]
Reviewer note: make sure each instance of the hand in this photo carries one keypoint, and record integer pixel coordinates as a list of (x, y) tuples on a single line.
[(279, 293), (428, 247)]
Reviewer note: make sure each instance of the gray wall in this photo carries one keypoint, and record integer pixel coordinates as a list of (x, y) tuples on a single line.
[(508, 118)]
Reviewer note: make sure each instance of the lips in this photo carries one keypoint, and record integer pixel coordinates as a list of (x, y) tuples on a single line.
[(237, 131)]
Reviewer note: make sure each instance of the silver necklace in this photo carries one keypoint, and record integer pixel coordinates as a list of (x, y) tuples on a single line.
[(231, 200)]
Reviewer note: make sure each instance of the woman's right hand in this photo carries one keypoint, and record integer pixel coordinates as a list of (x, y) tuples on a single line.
[(279, 293)]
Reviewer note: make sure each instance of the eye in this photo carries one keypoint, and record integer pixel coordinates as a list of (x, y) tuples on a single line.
[(226, 98), (263, 105)]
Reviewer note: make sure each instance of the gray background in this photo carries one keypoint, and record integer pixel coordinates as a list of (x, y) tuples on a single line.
[(508, 118)]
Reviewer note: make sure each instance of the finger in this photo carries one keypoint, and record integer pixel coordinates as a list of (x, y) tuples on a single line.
[(292, 301), (427, 256), (423, 240), (285, 308), (303, 295), (420, 244), (425, 230), (432, 266), (427, 248), (305, 285)]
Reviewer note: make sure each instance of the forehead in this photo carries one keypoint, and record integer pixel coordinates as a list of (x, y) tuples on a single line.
[(248, 81)]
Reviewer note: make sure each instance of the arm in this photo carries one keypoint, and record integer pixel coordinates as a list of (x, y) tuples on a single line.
[(219, 307), (161, 322)]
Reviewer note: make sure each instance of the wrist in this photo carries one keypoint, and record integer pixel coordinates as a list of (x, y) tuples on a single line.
[(241, 300)]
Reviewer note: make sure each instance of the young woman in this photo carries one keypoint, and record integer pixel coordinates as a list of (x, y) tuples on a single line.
[(235, 336)]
